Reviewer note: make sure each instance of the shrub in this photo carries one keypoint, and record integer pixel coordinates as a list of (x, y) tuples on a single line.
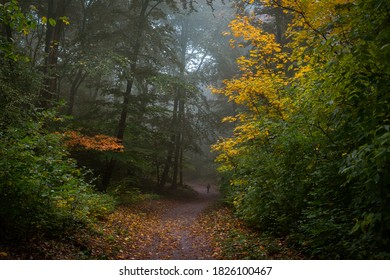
[(41, 188)]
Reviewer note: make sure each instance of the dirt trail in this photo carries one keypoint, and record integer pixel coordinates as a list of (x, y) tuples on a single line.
[(180, 228), (158, 229)]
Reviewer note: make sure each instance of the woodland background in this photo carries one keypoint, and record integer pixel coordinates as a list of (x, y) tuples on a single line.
[(107, 102)]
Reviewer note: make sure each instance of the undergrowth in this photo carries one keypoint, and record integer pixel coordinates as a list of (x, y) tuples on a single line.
[(232, 239)]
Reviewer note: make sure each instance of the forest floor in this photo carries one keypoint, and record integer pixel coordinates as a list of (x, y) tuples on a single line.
[(193, 227)]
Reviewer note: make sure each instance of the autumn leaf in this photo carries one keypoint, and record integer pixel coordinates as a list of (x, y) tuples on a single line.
[(100, 142)]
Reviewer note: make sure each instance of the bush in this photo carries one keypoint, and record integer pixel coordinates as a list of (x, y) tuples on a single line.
[(41, 188), (126, 192)]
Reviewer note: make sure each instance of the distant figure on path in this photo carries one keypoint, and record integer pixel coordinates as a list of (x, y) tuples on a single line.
[(208, 188)]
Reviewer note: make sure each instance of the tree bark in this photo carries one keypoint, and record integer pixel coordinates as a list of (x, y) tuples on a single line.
[(171, 145), (178, 142), (6, 29), (181, 156), (180, 118), (129, 85), (73, 89), (56, 9)]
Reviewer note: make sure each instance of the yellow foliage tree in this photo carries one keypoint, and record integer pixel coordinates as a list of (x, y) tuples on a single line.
[(259, 88), (268, 69)]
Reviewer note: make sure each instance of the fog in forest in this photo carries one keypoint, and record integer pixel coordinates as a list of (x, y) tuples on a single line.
[(277, 108), (139, 71)]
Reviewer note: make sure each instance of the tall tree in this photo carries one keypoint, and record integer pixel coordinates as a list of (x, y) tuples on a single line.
[(309, 154), (55, 21), (142, 21)]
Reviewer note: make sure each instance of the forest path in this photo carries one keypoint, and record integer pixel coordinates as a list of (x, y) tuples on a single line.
[(180, 226), (162, 229)]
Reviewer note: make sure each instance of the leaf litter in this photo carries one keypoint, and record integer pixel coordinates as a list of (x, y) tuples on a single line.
[(161, 229)]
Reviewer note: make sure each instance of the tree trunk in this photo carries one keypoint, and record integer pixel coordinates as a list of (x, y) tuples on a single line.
[(181, 96), (6, 32), (129, 85), (56, 9), (181, 155), (157, 170), (73, 89), (171, 145), (107, 175), (178, 142)]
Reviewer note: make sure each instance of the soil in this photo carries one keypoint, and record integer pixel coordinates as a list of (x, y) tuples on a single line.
[(181, 224)]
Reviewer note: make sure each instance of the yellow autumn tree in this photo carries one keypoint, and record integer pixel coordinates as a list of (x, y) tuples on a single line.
[(309, 156), (259, 88), (268, 69)]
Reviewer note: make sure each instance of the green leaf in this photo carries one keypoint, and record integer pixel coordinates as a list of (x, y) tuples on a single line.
[(65, 20), (52, 22)]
